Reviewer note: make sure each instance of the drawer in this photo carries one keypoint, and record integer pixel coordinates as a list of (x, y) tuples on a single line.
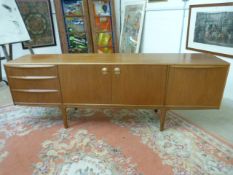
[(33, 82), (31, 70), (36, 96)]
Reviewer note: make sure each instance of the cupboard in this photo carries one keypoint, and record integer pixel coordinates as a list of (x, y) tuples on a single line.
[(157, 81)]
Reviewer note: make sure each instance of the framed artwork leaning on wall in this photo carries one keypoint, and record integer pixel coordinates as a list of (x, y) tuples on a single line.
[(210, 29), (130, 38), (38, 19)]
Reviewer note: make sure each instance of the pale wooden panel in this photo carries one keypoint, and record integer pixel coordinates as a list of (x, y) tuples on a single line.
[(85, 84), (31, 70), (36, 97), (139, 85), (196, 86), (17, 83), (119, 58)]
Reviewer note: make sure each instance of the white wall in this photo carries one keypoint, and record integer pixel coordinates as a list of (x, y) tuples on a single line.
[(165, 31)]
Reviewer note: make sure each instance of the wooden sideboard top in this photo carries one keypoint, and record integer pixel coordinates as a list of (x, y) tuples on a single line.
[(160, 59)]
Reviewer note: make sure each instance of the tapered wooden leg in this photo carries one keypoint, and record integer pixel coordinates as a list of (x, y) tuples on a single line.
[(64, 116), (162, 116)]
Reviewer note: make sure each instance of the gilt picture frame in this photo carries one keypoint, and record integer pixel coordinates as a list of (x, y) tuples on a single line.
[(210, 29), (38, 19)]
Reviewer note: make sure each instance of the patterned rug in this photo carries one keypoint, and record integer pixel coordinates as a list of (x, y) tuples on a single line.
[(107, 142)]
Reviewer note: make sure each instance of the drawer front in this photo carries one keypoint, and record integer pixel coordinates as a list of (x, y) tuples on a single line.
[(32, 70), (25, 96), (196, 86), (34, 82)]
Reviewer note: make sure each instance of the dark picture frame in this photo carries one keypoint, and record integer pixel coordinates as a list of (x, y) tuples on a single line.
[(38, 19), (210, 29)]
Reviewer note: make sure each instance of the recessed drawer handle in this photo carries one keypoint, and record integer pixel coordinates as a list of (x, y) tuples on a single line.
[(32, 66), (117, 70), (33, 77), (104, 70), (36, 90)]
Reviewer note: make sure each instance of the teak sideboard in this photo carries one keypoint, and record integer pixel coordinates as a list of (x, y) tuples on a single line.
[(157, 81)]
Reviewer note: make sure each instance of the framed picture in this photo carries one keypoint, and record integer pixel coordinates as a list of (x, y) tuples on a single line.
[(131, 31), (210, 29), (38, 19)]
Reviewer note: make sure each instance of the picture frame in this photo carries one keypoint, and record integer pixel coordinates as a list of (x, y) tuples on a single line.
[(38, 19), (131, 29), (210, 29)]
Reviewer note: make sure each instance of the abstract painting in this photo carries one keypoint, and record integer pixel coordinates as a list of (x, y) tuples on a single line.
[(132, 27), (102, 8), (38, 20), (73, 7), (211, 29), (77, 38), (12, 27)]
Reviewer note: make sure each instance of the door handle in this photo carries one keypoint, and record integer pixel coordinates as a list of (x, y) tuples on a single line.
[(117, 71), (104, 70)]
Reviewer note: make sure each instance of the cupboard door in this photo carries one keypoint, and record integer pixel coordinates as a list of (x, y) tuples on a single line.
[(196, 86), (138, 85), (85, 84)]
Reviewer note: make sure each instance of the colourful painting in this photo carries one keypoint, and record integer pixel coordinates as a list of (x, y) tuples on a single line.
[(74, 25), (76, 35), (102, 8), (132, 27), (104, 39), (73, 7), (78, 43), (38, 20), (105, 50), (103, 23)]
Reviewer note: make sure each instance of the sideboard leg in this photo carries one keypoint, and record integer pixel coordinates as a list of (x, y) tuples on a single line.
[(64, 116), (162, 118)]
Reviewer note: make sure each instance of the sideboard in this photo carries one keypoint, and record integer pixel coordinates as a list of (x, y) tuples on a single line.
[(156, 81)]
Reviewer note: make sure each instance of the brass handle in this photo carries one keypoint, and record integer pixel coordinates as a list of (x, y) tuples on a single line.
[(117, 70), (104, 70)]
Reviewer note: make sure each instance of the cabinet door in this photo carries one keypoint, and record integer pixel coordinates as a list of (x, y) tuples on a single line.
[(85, 84), (196, 86), (138, 85)]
